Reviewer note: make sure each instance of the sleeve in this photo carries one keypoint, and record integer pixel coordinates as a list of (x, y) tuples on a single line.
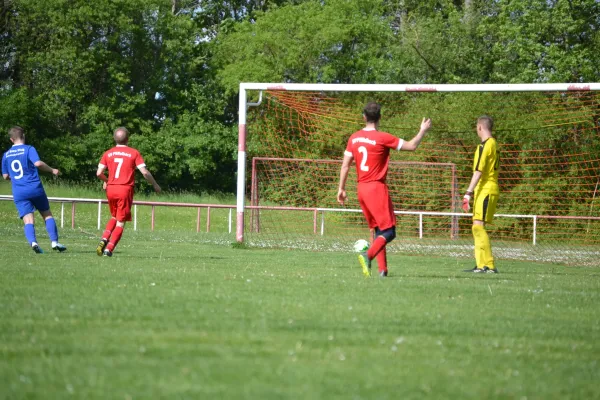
[(103, 162), (392, 141), (139, 161), (33, 155), (484, 156), (348, 151)]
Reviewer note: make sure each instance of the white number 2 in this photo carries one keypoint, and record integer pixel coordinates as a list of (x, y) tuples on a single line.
[(363, 164), (18, 168), (120, 162)]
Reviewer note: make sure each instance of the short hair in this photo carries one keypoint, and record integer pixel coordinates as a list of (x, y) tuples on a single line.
[(372, 112), (486, 121), (121, 138), (16, 132)]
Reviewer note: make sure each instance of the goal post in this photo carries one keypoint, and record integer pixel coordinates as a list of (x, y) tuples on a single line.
[(549, 138)]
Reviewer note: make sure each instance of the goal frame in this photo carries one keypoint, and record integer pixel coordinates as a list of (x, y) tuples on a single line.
[(243, 106)]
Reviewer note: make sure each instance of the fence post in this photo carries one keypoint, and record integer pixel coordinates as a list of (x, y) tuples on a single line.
[(208, 219), (534, 229), (152, 218), (420, 226), (322, 222), (62, 214), (230, 220), (73, 215), (99, 213), (198, 220), (135, 217)]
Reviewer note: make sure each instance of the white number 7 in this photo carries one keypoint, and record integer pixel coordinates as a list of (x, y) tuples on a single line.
[(363, 164), (120, 162)]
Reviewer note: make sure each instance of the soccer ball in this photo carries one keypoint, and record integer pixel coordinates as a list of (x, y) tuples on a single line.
[(361, 245)]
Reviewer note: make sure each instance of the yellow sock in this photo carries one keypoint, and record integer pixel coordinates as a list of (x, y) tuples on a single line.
[(476, 229), (487, 259)]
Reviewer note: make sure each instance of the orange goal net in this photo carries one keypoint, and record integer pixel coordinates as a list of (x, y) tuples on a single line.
[(549, 144)]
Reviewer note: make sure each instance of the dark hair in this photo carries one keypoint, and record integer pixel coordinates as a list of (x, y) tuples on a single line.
[(372, 112), (121, 138), (486, 121), (16, 132)]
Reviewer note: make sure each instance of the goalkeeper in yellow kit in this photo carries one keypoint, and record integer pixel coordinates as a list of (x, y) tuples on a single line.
[(484, 190)]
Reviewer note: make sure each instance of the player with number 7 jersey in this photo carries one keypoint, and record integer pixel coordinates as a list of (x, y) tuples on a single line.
[(370, 148), (121, 161)]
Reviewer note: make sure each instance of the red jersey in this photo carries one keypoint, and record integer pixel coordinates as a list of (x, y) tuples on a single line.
[(121, 162), (371, 151)]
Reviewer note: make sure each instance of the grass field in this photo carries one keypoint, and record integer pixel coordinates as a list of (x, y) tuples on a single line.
[(170, 317)]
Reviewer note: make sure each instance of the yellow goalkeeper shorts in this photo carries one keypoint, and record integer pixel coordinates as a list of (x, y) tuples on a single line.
[(484, 207)]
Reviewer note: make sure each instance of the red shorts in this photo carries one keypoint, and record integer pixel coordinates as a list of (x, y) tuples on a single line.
[(120, 199), (376, 205)]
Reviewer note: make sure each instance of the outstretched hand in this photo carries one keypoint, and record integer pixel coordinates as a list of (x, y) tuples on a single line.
[(55, 172), (426, 124)]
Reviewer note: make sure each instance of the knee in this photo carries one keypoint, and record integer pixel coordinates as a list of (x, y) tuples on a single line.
[(389, 234)]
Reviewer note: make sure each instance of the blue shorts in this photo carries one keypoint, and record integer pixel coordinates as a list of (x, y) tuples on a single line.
[(29, 205)]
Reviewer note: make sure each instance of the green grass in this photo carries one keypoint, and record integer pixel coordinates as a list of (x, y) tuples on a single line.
[(171, 317)]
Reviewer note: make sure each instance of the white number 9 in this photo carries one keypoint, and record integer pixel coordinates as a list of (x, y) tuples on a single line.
[(17, 168)]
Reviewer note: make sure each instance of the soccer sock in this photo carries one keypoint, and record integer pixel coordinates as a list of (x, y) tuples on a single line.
[(110, 226), (30, 233), (114, 238), (382, 260), (378, 244), (478, 245), (52, 229), (486, 249)]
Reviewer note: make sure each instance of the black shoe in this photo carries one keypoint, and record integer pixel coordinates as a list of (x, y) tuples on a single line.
[(59, 247), (489, 270), (107, 253), (475, 270), (383, 274), (36, 249), (101, 247)]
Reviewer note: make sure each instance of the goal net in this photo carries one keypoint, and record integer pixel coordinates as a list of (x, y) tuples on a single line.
[(292, 142)]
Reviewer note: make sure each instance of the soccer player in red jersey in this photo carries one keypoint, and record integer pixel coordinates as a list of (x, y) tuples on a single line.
[(121, 162), (371, 150)]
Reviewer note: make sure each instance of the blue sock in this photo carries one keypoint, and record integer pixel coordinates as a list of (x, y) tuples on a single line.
[(30, 233), (52, 229)]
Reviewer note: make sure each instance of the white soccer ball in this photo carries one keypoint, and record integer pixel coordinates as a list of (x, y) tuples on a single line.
[(361, 246)]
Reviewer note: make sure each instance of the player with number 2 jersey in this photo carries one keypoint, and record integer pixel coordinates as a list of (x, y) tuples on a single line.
[(121, 162), (370, 148)]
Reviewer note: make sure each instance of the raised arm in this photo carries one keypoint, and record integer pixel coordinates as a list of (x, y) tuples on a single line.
[(148, 176), (414, 143)]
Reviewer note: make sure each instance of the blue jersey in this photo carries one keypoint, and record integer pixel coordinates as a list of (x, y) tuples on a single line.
[(18, 163)]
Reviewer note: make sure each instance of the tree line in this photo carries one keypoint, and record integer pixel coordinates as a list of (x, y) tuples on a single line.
[(73, 70)]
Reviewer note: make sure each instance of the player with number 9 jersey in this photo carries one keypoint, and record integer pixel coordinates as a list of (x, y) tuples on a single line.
[(20, 165)]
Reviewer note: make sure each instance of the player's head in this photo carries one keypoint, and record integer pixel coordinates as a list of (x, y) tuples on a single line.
[(121, 135), (372, 112), (485, 123), (16, 134)]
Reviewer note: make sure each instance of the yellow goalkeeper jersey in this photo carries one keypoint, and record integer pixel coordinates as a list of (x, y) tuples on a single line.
[(487, 161)]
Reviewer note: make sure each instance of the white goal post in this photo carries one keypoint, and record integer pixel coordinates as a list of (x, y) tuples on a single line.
[(260, 87)]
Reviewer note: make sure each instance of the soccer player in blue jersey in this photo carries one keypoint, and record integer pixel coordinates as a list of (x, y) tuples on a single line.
[(20, 165)]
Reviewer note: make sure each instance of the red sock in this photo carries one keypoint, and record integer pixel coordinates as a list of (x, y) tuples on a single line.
[(114, 238), (378, 244), (110, 226), (382, 260)]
